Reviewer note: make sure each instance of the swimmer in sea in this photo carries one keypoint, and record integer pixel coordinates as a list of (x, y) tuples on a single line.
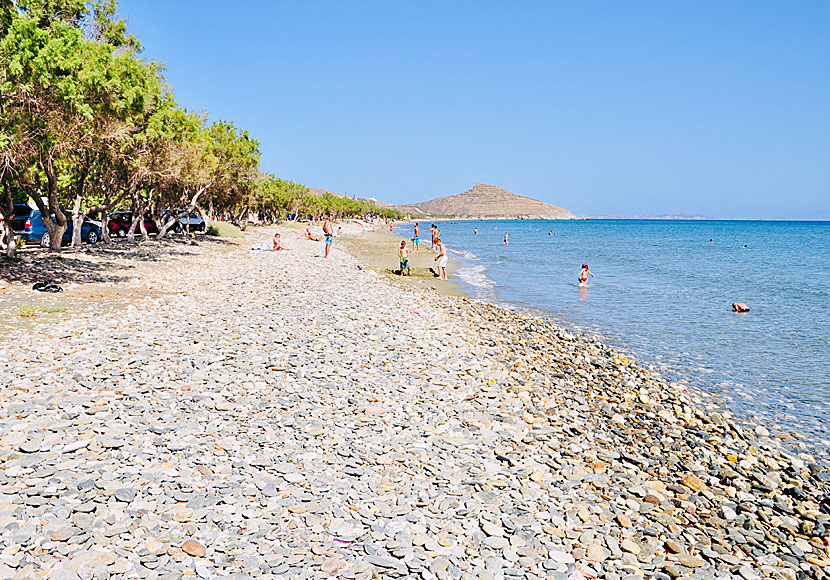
[(583, 275), (505, 238), (475, 231)]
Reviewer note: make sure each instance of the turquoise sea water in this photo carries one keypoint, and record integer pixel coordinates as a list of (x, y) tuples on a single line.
[(663, 292)]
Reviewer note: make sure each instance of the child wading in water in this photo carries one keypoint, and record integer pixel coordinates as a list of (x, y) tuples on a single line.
[(583, 275), (403, 254)]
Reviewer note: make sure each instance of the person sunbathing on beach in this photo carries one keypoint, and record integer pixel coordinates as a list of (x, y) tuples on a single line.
[(441, 258), (310, 236), (278, 245), (583, 275), (403, 254)]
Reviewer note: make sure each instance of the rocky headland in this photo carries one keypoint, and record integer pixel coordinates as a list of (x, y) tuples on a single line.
[(484, 201)]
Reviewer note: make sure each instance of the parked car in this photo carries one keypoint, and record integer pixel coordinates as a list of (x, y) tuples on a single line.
[(197, 224), (34, 229), (21, 214), (119, 224)]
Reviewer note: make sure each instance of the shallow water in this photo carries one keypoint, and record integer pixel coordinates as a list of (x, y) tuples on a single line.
[(663, 291)]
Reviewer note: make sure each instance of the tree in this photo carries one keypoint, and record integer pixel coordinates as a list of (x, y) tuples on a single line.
[(57, 88)]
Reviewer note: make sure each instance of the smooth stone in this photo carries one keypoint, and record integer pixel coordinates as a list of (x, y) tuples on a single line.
[(690, 561), (491, 529), (125, 494), (561, 557), (30, 446), (595, 553), (194, 548), (496, 542), (630, 545)]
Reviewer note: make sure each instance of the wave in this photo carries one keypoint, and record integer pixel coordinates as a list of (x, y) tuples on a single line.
[(463, 253), (476, 276)]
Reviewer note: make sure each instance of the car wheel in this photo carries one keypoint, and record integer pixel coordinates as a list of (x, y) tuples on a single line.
[(92, 237), (45, 239), (121, 232), (177, 228)]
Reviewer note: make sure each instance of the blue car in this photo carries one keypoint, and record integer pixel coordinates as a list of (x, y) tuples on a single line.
[(34, 230)]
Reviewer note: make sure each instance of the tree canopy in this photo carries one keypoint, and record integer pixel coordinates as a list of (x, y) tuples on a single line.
[(88, 126)]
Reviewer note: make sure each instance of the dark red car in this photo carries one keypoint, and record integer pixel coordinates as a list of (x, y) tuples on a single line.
[(119, 224)]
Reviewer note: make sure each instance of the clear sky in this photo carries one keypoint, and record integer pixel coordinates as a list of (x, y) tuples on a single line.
[(713, 108)]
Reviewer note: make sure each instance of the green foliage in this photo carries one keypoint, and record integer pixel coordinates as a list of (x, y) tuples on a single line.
[(90, 125), (32, 311), (224, 230)]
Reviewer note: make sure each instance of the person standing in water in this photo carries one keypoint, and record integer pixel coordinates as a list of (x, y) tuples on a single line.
[(583, 275), (441, 258), (329, 235), (416, 241), (505, 238), (475, 231)]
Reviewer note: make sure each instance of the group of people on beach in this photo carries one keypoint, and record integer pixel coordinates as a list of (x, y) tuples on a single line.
[(328, 233), (436, 246), (441, 257)]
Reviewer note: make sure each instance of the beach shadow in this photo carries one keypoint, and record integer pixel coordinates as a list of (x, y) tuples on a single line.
[(415, 272), (102, 263)]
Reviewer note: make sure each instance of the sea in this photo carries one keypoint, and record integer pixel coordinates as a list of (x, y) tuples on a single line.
[(662, 292)]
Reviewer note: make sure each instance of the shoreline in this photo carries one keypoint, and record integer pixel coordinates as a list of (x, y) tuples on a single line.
[(378, 251), (367, 427)]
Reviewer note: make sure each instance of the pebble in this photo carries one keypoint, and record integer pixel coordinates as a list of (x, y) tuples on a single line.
[(194, 548), (306, 417)]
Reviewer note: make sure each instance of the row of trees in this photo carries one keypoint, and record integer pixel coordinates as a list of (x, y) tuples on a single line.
[(87, 126)]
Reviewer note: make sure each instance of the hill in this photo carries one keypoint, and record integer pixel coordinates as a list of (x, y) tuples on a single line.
[(488, 202)]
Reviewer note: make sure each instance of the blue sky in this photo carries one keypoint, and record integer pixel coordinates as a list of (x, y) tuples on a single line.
[(719, 109)]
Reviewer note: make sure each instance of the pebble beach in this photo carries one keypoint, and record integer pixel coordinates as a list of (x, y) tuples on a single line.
[(209, 411)]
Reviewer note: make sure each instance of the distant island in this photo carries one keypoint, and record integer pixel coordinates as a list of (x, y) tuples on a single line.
[(487, 202)]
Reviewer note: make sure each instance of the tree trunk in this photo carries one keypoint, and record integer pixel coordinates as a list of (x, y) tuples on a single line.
[(175, 217), (105, 218), (204, 215), (58, 227), (133, 226), (77, 218), (8, 215)]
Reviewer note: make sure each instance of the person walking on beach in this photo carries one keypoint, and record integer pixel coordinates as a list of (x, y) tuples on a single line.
[(416, 241), (403, 254), (327, 230), (583, 275), (441, 258)]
